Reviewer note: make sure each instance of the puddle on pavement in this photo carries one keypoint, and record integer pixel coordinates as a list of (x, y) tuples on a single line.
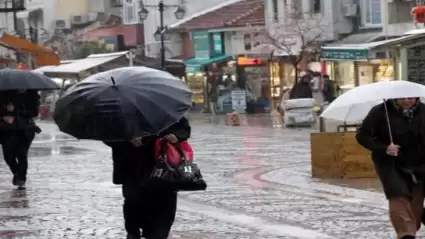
[(369, 184), (55, 150), (246, 120)]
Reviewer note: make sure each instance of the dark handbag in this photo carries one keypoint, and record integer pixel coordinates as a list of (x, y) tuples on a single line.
[(183, 176)]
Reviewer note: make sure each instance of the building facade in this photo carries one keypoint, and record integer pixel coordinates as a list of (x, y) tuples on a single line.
[(175, 44)]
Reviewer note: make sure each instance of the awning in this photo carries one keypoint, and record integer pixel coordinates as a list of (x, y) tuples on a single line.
[(85, 64), (43, 56), (359, 52), (44, 68), (359, 38), (195, 64)]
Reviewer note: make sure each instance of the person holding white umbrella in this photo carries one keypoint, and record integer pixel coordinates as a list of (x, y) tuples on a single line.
[(398, 153), (394, 131)]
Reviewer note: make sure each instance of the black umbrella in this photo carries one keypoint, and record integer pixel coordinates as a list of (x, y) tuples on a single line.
[(122, 103), (13, 79)]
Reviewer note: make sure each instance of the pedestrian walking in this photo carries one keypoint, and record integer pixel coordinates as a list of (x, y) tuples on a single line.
[(18, 108), (328, 89), (395, 131), (151, 209)]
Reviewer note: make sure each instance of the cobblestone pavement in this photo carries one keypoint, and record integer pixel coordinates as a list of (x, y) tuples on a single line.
[(259, 188)]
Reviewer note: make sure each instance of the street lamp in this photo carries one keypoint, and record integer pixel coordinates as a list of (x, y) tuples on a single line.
[(164, 32), (161, 34)]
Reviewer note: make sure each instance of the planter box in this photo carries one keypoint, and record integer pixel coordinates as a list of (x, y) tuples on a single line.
[(338, 155)]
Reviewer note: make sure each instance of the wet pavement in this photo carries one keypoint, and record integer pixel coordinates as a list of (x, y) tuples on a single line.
[(259, 187)]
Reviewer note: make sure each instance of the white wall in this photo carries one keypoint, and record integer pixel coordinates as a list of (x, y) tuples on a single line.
[(395, 29), (331, 18)]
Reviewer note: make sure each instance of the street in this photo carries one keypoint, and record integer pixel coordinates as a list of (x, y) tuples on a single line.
[(259, 187)]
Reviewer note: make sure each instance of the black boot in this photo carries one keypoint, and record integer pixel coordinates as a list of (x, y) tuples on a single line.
[(129, 236), (423, 217), (14, 180), (408, 237), (20, 184)]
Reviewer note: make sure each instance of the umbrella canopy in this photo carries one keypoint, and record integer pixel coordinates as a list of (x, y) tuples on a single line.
[(356, 103), (13, 79), (122, 103)]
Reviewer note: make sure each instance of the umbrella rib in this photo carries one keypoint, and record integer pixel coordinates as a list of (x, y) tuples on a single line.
[(157, 91), (137, 106)]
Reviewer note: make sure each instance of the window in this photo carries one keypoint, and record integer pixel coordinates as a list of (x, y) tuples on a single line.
[(251, 40), (275, 10), (371, 12), (247, 41), (316, 6)]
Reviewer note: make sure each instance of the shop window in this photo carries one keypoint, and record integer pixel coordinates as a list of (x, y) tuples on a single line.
[(344, 75)]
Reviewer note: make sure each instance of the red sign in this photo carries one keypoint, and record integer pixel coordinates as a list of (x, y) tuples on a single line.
[(245, 61)]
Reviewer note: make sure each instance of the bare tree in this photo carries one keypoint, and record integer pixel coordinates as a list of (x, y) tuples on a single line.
[(297, 35)]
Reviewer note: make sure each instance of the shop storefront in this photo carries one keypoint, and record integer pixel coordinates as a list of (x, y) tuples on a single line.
[(209, 49), (353, 66)]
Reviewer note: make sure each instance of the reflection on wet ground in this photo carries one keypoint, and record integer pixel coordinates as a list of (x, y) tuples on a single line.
[(36, 151), (259, 187), (260, 120)]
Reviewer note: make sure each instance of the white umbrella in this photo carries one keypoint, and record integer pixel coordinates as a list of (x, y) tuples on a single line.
[(356, 103)]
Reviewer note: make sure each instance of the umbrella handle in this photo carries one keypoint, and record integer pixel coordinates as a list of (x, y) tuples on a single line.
[(388, 122)]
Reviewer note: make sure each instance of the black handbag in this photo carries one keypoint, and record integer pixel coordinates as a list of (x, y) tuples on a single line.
[(185, 176)]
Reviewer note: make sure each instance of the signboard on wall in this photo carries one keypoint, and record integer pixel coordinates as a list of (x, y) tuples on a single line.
[(345, 54), (238, 100), (217, 43), (201, 44)]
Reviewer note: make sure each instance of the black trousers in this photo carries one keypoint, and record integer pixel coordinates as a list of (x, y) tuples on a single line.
[(151, 210), (15, 152)]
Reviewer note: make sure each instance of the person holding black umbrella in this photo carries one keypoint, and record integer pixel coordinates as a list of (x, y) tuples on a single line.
[(129, 109), (151, 209), (18, 108)]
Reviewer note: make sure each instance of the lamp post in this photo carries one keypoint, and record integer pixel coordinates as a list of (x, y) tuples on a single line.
[(161, 34)]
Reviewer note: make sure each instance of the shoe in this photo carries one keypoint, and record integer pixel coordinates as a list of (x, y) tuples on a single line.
[(14, 180), (20, 184), (408, 237), (129, 236)]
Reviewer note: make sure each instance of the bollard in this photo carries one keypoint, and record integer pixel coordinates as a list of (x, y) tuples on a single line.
[(233, 119)]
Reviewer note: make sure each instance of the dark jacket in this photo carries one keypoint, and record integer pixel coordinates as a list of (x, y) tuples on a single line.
[(408, 133), (328, 90), (301, 90), (131, 163)]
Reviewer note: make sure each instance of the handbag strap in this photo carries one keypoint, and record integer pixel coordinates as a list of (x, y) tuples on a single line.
[(176, 146)]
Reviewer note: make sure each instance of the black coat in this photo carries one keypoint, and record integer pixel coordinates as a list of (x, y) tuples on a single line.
[(131, 163), (409, 134), (301, 90)]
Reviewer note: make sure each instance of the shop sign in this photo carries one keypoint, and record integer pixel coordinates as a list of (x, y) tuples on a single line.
[(217, 44), (345, 54), (238, 100), (201, 44)]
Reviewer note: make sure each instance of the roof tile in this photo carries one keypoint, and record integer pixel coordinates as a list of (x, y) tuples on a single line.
[(239, 14)]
